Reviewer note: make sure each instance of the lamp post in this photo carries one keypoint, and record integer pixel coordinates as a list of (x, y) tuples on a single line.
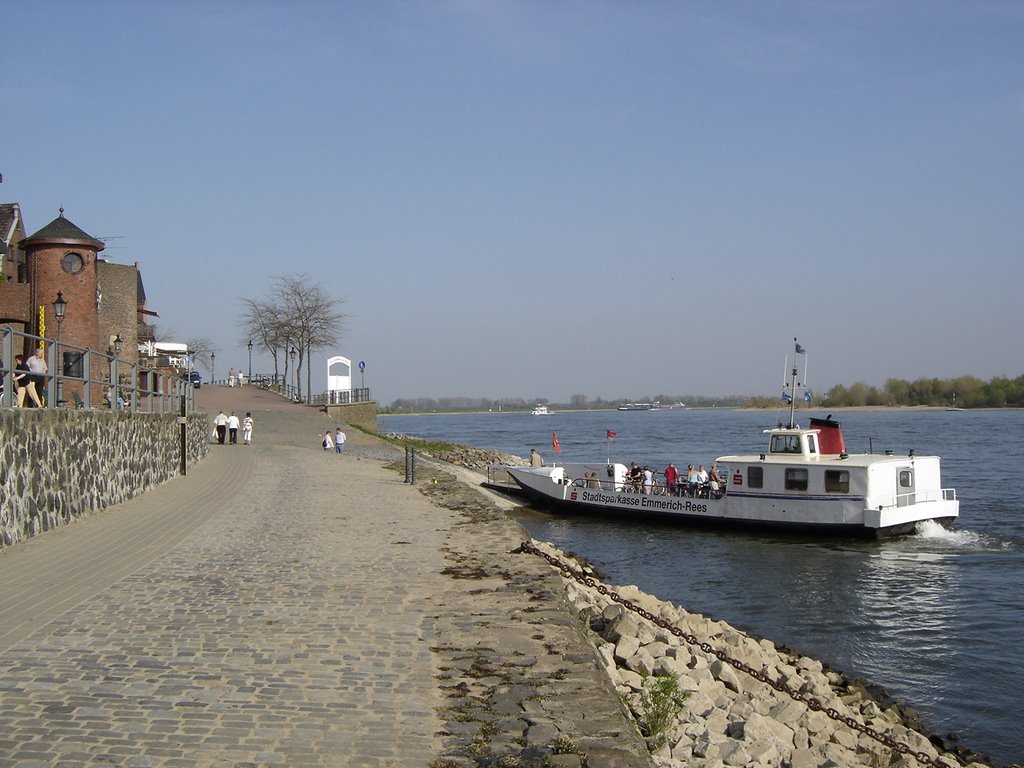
[(249, 380), (295, 374), (118, 343), (213, 366), (60, 306)]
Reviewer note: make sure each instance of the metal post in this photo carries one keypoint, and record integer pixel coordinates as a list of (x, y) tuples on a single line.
[(7, 378), (410, 465), (182, 421)]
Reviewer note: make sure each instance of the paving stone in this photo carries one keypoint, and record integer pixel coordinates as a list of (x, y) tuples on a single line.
[(281, 606)]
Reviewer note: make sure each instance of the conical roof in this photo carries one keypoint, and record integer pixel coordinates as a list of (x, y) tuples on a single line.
[(62, 230)]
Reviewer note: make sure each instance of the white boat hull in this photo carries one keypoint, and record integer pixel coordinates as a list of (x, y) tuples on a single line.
[(565, 489)]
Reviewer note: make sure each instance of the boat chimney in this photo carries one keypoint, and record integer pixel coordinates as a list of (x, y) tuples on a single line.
[(830, 436)]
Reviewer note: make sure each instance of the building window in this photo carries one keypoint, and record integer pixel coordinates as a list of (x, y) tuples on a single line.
[(796, 479), (755, 477), (72, 262), (837, 481)]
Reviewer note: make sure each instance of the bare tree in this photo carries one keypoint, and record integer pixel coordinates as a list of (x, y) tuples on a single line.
[(297, 315), (200, 350), (264, 323)]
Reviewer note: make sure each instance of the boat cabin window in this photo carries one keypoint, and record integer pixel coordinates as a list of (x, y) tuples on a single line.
[(837, 480), (812, 444), (785, 444), (796, 479), (755, 477), (906, 478)]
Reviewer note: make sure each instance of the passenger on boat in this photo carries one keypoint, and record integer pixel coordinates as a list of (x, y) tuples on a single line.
[(536, 460), (715, 481), (635, 477), (691, 480), (592, 481), (671, 479), (648, 480)]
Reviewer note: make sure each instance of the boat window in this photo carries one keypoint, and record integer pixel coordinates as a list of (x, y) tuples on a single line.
[(837, 480), (755, 477), (796, 479), (906, 478), (812, 443), (785, 444)]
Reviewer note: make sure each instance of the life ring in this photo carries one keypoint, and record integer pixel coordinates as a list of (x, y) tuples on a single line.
[(737, 478)]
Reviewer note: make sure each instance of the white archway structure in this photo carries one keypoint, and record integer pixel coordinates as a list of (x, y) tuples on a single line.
[(339, 374)]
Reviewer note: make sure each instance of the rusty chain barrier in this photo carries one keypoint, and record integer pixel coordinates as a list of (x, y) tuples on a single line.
[(809, 701)]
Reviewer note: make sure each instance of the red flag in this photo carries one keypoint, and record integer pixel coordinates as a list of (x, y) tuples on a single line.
[(554, 443), (611, 434)]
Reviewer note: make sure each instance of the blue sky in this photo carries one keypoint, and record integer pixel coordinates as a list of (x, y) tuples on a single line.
[(541, 199)]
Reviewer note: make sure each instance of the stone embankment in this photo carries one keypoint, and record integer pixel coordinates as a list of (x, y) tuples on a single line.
[(723, 716), (696, 709), (465, 456)]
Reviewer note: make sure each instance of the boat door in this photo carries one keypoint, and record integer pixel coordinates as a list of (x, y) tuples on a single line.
[(905, 488)]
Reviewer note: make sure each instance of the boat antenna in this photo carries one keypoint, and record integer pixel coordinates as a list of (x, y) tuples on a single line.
[(797, 350)]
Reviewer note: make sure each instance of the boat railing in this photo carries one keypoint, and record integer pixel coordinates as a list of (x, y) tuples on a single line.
[(658, 488), (916, 497)]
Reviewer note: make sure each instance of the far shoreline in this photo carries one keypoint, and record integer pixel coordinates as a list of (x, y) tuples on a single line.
[(800, 411)]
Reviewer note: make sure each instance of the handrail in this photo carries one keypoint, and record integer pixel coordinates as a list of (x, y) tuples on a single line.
[(115, 384)]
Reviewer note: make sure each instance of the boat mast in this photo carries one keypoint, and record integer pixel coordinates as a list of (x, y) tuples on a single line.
[(792, 397), (797, 350)]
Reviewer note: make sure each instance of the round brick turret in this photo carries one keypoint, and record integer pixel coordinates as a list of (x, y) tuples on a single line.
[(60, 257)]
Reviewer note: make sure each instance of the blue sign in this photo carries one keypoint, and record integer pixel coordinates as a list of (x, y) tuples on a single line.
[(362, 366)]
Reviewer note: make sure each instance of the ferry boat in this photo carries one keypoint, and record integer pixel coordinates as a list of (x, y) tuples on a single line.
[(540, 410), (804, 481)]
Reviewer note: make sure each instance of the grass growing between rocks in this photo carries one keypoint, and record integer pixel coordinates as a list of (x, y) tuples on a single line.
[(660, 704)]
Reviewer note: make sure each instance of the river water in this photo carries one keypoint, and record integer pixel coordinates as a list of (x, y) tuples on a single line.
[(936, 619)]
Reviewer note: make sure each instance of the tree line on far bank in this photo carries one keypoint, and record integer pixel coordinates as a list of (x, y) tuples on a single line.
[(962, 392)]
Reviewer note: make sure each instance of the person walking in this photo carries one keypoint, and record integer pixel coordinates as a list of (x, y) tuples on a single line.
[(247, 429), (220, 422), (327, 442), (24, 382), (39, 369), (339, 441), (233, 429)]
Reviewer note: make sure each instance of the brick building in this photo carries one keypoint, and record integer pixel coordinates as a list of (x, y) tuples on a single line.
[(105, 301)]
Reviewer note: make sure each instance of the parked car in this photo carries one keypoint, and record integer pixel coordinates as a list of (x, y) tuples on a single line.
[(194, 377)]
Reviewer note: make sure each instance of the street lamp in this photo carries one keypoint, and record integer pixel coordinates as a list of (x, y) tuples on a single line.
[(249, 380), (60, 306), (295, 374), (213, 366)]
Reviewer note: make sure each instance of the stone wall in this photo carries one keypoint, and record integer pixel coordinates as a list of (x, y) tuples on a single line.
[(58, 465), (362, 415)]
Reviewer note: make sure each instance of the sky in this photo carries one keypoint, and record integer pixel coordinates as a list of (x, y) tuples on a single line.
[(544, 199)]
